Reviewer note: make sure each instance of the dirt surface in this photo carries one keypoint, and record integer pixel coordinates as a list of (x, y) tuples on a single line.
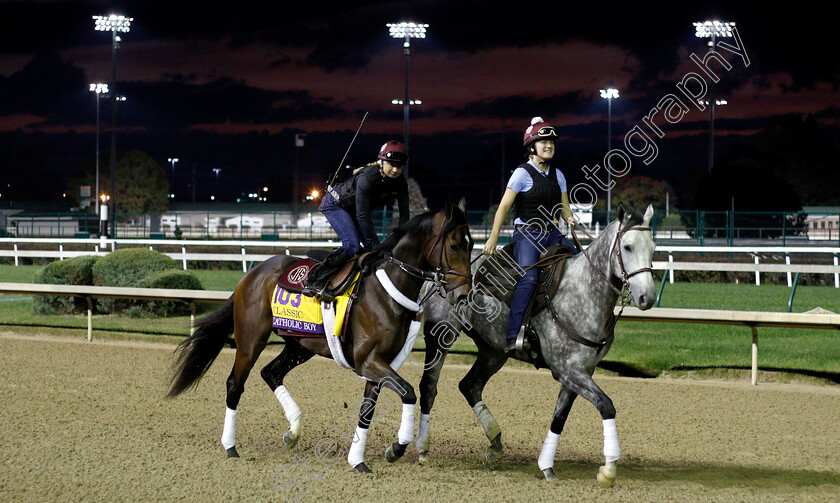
[(88, 422)]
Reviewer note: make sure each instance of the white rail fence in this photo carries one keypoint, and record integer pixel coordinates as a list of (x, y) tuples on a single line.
[(104, 246)]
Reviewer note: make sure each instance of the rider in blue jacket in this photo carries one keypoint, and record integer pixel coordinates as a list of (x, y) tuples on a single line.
[(539, 190)]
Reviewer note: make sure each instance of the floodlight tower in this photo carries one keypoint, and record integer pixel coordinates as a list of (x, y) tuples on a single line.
[(99, 89), (712, 30), (113, 23), (609, 94), (406, 31)]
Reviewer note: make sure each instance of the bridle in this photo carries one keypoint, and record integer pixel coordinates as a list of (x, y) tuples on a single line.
[(615, 248), (443, 269), (623, 293)]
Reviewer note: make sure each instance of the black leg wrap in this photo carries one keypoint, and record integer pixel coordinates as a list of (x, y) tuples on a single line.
[(231, 452)]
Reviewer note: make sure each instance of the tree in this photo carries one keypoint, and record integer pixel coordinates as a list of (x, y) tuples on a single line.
[(141, 184), (416, 201), (804, 154), (635, 191)]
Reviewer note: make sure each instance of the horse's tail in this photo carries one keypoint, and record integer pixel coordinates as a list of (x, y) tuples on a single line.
[(200, 349)]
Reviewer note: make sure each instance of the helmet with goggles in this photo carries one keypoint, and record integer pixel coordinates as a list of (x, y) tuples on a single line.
[(538, 130), (393, 152)]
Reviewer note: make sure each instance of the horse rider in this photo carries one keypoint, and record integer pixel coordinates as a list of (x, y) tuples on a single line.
[(539, 190), (348, 209)]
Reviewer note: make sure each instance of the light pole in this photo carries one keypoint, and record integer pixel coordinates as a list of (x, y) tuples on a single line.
[(217, 171), (712, 30), (99, 89), (609, 94), (406, 31), (173, 160), (113, 23)]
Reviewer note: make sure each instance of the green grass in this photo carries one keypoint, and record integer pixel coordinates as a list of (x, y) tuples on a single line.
[(641, 348)]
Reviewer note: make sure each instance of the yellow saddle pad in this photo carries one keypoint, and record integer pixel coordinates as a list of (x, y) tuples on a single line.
[(295, 312)]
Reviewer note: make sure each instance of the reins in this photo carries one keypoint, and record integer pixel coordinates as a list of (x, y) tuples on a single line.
[(438, 276)]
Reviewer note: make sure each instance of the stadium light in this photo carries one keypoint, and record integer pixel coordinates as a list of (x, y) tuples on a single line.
[(99, 89), (406, 31), (609, 95), (122, 24), (410, 102), (712, 30)]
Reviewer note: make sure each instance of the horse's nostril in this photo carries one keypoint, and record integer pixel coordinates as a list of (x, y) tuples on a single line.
[(642, 300)]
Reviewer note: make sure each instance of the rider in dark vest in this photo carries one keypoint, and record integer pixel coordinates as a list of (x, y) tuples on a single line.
[(349, 205), (539, 191)]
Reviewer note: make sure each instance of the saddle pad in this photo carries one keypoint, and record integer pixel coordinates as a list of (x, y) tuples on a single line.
[(297, 315), (294, 278)]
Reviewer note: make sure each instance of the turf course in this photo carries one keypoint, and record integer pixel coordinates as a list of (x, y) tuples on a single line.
[(643, 349)]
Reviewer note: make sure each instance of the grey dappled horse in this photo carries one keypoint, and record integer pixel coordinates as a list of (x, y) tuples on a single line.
[(583, 306)]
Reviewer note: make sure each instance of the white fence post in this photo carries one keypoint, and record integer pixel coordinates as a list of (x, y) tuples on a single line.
[(244, 269), (184, 251), (787, 262), (836, 275), (671, 272), (16, 256), (757, 281)]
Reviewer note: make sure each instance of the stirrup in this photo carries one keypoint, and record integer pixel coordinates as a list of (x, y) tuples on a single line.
[(520, 339)]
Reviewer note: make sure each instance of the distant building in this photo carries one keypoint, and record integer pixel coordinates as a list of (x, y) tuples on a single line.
[(822, 222)]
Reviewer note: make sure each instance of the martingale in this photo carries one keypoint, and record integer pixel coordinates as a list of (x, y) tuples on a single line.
[(298, 315)]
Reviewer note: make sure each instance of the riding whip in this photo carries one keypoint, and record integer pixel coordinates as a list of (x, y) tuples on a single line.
[(331, 179)]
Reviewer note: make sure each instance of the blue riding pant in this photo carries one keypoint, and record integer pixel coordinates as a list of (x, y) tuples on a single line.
[(528, 244), (343, 224)]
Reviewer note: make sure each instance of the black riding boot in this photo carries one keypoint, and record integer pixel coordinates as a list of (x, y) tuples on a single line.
[(320, 275)]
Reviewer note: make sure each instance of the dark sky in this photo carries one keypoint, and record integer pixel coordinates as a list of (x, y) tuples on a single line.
[(228, 87)]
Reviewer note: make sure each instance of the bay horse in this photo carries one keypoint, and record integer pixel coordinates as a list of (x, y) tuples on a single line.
[(575, 332), (434, 247)]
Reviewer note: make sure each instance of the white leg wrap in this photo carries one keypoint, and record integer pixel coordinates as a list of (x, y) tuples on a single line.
[(549, 449), (406, 432), (356, 454), (423, 433), (290, 407), (413, 330), (488, 422), (229, 431), (611, 449)]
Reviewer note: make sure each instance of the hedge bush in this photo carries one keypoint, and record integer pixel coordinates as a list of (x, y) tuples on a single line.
[(130, 267), (170, 278), (74, 271)]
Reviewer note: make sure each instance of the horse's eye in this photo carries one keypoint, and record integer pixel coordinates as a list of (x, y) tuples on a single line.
[(453, 248), (626, 247)]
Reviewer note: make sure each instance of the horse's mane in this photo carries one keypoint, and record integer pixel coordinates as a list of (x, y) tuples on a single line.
[(420, 224)]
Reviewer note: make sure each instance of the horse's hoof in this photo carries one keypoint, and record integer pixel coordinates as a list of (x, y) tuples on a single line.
[(494, 453), (423, 457), (394, 452), (231, 452), (363, 468), (492, 457), (290, 439), (549, 475), (606, 475)]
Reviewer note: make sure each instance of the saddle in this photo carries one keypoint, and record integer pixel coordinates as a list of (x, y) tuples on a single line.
[(499, 274), (293, 279)]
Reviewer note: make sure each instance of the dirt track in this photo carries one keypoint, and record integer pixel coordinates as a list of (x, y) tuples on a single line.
[(87, 422)]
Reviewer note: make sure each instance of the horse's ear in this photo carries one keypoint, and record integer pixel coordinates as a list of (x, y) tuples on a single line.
[(648, 215), (620, 213), (463, 205)]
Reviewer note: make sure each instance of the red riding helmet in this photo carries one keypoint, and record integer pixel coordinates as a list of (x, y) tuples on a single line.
[(538, 130), (393, 152)]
